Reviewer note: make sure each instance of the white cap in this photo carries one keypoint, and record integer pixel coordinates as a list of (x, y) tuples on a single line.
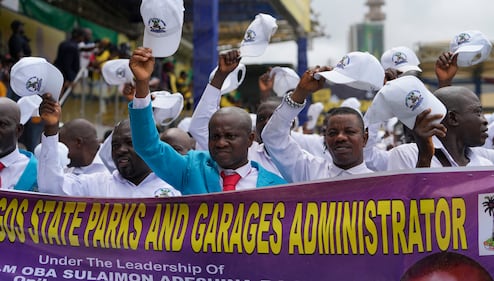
[(29, 106), (405, 98), (285, 79), (166, 107), (163, 21), (471, 46), (184, 124), (117, 72), (257, 36), (313, 113), (35, 76), (233, 80), (359, 70), (400, 58), (352, 102)]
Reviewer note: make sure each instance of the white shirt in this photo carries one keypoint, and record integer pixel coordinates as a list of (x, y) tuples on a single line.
[(51, 179), (405, 156), (15, 163), (295, 164), (248, 176)]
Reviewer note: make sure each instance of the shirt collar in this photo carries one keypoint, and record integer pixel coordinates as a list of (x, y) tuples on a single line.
[(10, 158), (242, 171)]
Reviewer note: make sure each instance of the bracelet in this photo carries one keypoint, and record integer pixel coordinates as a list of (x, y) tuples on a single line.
[(292, 103)]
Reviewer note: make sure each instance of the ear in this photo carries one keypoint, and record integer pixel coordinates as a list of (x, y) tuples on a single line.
[(451, 118), (20, 130), (79, 141), (251, 137), (366, 136)]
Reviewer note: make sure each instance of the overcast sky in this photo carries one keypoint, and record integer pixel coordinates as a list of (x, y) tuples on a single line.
[(408, 22)]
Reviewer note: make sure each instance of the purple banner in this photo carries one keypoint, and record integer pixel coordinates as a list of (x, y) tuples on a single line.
[(355, 228)]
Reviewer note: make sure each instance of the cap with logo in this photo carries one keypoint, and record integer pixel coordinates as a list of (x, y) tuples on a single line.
[(166, 107), (29, 106), (359, 70), (400, 58), (258, 35), (405, 98), (285, 79), (117, 72), (472, 47), (233, 80), (163, 21), (35, 76)]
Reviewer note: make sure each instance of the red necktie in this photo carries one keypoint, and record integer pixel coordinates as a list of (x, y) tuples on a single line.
[(229, 181), (1, 168)]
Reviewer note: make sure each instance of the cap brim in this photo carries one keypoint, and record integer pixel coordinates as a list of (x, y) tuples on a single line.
[(54, 82), (253, 50), (336, 77), (162, 46), (167, 107), (406, 68), (29, 106), (469, 49)]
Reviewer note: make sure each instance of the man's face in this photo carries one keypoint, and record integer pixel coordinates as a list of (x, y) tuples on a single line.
[(473, 122), (229, 142), (345, 140), (9, 132), (128, 163), (264, 112)]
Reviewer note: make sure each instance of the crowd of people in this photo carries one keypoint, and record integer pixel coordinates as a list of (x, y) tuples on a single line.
[(224, 148)]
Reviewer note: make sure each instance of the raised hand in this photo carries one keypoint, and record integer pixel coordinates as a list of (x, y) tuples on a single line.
[(446, 68), (50, 112), (227, 62), (427, 126), (142, 63), (308, 84)]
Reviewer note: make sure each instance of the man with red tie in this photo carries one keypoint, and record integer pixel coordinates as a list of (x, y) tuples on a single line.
[(230, 135)]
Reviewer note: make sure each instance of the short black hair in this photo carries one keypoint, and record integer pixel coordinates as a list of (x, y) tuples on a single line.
[(343, 110), (15, 24)]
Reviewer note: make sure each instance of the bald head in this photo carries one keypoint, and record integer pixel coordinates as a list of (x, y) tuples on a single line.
[(178, 139), (80, 136), (10, 109), (11, 128), (455, 98), (241, 118)]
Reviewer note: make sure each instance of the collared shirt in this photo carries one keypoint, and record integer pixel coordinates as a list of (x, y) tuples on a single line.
[(294, 163), (247, 172), (51, 179), (15, 163), (405, 156)]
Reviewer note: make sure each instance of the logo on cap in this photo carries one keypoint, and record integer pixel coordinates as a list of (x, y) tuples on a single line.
[(250, 36), (413, 99), (463, 38), (33, 84), (399, 58), (120, 72), (343, 62), (157, 25)]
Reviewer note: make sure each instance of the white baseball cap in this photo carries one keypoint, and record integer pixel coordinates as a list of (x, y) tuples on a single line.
[(166, 107), (352, 102), (472, 47), (285, 79), (405, 98), (117, 72), (233, 80), (184, 124), (163, 21), (359, 70), (29, 106), (35, 76), (400, 58), (313, 113), (257, 36)]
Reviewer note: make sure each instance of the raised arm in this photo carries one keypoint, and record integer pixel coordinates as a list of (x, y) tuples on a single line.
[(210, 99)]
